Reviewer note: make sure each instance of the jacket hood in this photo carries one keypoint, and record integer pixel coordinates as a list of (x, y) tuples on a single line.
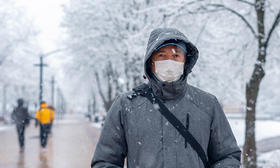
[(169, 90), (160, 36), (43, 105)]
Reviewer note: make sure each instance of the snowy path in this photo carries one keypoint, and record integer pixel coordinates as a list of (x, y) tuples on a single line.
[(71, 146), (268, 140)]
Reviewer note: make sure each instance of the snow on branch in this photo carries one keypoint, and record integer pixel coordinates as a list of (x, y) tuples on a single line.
[(274, 25), (246, 2), (237, 14)]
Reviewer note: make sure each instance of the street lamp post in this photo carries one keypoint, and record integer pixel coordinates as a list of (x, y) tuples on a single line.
[(4, 101), (41, 65), (52, 91)]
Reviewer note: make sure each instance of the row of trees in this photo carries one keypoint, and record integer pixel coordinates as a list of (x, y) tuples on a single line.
[(15, 34), (18, 75), (237, 40)]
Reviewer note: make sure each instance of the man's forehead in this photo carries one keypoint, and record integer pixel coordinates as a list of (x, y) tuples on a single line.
[(173, 48)]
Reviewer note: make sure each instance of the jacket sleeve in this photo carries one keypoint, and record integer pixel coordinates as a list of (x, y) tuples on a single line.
[(26, 114), (111, 148), (223, 150), (52, 115), (37, 115)]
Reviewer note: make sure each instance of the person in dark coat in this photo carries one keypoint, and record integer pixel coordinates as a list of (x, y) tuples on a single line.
[(135, 129), (21, 118)]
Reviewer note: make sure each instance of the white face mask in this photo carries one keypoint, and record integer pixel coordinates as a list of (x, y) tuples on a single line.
[(169, 70)]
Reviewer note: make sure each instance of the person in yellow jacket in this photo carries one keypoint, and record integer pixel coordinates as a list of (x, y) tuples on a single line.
[(53, 115), (44, 117)]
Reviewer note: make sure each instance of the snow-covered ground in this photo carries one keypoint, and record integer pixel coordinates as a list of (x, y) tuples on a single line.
[(6, 127), (264, 129), (269, 159), (66, 121), (97, 125)]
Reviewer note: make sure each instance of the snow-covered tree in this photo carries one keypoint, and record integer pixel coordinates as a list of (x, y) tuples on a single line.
[(108, 31), (16, 66), (117, 31), (261, 19)]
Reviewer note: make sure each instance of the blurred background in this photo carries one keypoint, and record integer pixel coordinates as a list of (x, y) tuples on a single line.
[(78, 55)]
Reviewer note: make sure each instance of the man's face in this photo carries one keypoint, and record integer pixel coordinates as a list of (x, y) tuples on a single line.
[(170, 52)]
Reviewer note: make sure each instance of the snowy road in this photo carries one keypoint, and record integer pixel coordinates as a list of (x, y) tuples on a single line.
[(70, 146)]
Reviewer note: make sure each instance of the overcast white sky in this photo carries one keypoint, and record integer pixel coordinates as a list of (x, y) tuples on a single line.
[(47, 16)]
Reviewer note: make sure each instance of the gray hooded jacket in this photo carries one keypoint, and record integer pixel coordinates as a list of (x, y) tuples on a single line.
[(134, 129)]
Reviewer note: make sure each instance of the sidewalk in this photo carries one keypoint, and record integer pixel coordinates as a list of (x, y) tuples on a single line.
[(71, 145)]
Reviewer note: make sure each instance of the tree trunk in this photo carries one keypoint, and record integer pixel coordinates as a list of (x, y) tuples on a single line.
[(111, 77), (252, 90)]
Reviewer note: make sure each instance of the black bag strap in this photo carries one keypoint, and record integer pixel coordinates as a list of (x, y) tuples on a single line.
[(147, 92)]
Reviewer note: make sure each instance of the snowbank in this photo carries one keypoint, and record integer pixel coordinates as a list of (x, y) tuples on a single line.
[(5, 128), (269, 159), (264, 129)]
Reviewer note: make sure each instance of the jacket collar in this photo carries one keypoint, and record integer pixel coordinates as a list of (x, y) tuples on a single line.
[(168, 90)]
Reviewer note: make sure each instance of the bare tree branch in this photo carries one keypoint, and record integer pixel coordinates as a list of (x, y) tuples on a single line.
[(99, 87), (246, 2), (274, 25), (109, 75), (3, 56), (201, 31), (237, 14)]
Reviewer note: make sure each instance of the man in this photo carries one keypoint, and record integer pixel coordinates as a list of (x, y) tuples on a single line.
[(44, 116), (21, 117), (195, 132)]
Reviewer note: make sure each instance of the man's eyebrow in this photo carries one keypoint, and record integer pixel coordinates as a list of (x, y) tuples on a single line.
[(161, 51), (179, 49)]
